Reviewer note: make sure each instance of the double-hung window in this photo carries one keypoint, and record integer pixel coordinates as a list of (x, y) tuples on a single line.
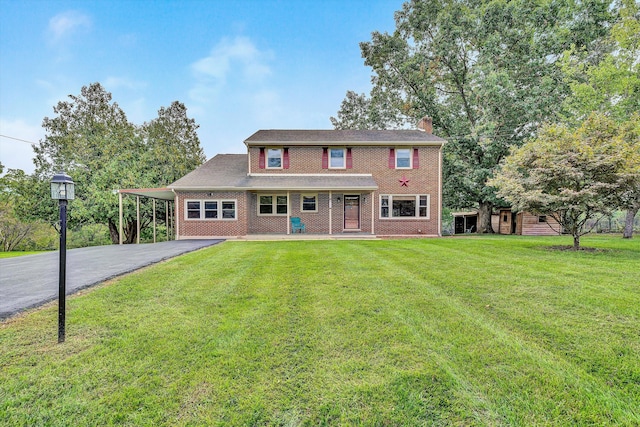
[(210, 209), (404, 206), (274, 158), (403, 158), (270, 204), (309, 203), (337, 157)]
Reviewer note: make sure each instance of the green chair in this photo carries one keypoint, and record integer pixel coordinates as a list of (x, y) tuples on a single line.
[(297, 225)]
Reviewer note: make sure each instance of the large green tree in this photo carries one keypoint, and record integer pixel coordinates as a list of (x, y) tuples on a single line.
[(573, 175), (93, 141), (485, 71), (608, 81)]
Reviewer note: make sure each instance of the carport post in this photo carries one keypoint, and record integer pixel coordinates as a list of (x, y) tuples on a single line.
[(138, 220), (154, 220), (166, 217), (120, 219)]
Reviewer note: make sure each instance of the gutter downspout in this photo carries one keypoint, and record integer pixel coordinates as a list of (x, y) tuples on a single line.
[(119, 217)]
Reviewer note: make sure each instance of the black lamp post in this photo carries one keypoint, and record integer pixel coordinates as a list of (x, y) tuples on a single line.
[(62, 189)]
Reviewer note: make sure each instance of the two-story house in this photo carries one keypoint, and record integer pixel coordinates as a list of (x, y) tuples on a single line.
[(378, 182)]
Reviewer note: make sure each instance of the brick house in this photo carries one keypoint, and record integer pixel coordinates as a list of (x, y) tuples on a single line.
[(383, 183)]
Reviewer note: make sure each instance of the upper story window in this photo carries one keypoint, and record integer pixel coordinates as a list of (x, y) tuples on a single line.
[(337, 158), (403, 158), (274, 158)]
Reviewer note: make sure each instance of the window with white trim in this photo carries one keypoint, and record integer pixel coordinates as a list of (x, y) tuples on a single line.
[(274, 158), (337, 158), (404, 206), (210, 209), (309, 203), (403, 158), (272, 204)]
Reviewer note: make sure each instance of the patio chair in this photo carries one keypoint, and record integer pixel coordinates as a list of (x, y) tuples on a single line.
[(297, 225)]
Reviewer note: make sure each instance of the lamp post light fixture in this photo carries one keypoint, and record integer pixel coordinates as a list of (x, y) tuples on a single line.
[(62, 189)]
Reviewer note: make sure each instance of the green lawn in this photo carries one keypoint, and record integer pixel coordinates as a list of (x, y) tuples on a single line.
[(495, 330), (17, 253)]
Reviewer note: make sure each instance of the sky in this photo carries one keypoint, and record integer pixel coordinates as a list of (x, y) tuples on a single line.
[(238, 65)]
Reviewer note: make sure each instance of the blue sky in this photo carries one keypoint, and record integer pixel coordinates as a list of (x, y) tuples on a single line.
[(238, 66)]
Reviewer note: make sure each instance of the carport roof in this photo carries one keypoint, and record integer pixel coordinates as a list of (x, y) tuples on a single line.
[(153, 193)]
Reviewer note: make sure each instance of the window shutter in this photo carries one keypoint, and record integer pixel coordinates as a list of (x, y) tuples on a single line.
[(285, 158), (261, 160), (392, 158), (325, 158), (416, 159), (349, 159)]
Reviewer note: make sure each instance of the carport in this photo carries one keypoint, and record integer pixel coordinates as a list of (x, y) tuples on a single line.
[(163, 194)]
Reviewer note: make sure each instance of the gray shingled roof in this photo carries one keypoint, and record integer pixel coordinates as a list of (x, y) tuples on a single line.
[(221, 171), (229, 172), (342, 137)]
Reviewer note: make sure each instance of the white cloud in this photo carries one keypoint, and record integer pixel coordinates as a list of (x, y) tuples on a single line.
[(15, 154), (228, 59), (66, 23)]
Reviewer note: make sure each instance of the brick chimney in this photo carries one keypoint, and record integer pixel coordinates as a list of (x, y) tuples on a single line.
[(426, 124)]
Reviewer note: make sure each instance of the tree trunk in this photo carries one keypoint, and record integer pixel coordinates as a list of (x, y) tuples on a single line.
[(628, 223), (576, 242), (113, 232), (484, 217)]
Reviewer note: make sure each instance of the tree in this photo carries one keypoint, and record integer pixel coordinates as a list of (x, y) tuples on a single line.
[(91, 139), (173, 144), (609, 82), (485, 72), (16, 210), (572, 175)]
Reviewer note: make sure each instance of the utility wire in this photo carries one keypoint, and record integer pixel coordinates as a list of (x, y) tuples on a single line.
[(18, 139)]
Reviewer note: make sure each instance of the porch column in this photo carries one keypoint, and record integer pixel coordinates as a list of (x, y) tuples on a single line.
[(137, 220), (154, 220), (119, 218), (373, 213), (330, 212), (166, 217), (288, 212)]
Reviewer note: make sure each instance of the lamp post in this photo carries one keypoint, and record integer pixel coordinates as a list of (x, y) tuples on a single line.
[(62, 189)]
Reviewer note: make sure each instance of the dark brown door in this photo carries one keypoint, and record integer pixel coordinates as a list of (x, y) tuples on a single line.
[(351, 212)]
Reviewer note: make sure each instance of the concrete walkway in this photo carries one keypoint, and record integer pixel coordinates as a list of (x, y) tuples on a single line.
[(32, 280)]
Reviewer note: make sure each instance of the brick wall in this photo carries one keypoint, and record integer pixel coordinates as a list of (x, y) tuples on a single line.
[(200, 228), (371, 160)]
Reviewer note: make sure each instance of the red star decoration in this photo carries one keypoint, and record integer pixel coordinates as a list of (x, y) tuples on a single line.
[(404, 182)]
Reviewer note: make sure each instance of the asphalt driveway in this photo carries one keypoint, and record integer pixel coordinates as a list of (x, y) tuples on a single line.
[(32, 280)]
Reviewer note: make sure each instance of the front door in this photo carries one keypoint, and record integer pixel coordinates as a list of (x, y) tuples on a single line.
[(351, 212)]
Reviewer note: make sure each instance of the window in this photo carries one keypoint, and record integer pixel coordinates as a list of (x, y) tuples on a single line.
[(229, 209), (193, 209), (274, 158), (403, 158), (337, 158), (272, 205), (210, 209), (309, 203), (404, 206), (542, 218)]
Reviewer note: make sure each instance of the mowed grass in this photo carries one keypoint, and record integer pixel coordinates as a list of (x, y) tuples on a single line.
[(13, 254), (495, 330)]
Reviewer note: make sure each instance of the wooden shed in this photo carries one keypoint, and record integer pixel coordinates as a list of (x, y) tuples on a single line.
[(506, 221)]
